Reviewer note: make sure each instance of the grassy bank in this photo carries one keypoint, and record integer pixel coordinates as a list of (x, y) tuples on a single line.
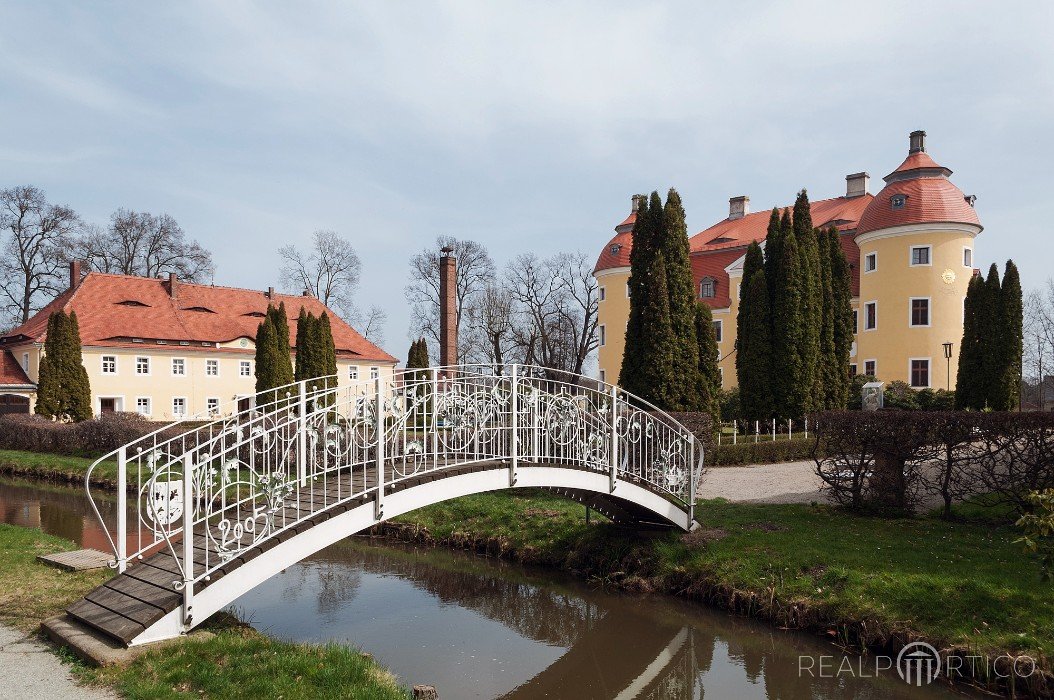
[(869, 582), (50, 467), (237, 662)]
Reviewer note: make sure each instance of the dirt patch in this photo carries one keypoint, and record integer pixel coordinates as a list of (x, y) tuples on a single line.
[(703, 535), (542, 513)]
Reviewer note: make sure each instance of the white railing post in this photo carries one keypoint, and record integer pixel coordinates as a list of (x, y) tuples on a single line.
[(735, 430), (614, 437), (790, 429), (301, 437), (435, 418), (122, 509), (806, 427), (379, 502), (774, 430), (691, 486), (188, 541), (515, 447)]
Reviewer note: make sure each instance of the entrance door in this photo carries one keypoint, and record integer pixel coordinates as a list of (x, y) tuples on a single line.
[(13, 404), (107, 405)]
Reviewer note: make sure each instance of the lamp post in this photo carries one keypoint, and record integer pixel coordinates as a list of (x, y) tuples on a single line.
[(948, 360)]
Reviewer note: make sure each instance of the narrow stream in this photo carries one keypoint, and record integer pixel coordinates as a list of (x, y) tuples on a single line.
[(479, 628)]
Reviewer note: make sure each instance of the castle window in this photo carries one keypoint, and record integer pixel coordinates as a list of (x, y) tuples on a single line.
[(212, 368), (718, 326), (142, 365), (870, 262), (601, 293), (602, 334), (374, 372), (353, 372), (870, 315), (708, 288), (179, 367), (920, 312), (920, 373), (179, 406), (898, 201), (615, 248), (967, 257), (142, 405), (245, 368), (920, 255), (871, 368), (109, 364)]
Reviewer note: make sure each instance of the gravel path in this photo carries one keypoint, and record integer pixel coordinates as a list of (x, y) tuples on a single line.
[(788, 482), (31, 671)]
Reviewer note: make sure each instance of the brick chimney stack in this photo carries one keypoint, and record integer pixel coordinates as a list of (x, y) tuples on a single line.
[(75, 273), (738, 207), (173, 284), (447, 307), (917, 142)]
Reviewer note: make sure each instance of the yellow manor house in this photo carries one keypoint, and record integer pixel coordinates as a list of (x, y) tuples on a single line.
[(911, 253), (169, 349)]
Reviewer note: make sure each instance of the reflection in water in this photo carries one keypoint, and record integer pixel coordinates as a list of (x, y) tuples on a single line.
[(477, 628)]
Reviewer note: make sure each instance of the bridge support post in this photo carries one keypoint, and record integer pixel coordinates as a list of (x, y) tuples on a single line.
[(515, 421), (188, 541), (301, 436), (122, 509), (691, 487), (379, 501), (614, 437)]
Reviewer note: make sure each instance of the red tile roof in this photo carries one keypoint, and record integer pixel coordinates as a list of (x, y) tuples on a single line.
[(616, 252), (713, 264), (111, 309), (11, 373), (919, 159), (929, 199)]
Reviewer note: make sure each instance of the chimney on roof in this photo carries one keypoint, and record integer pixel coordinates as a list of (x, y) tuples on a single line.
[(270, 293), (307, 292), (738, 207), (447, 308), (637, 199), (917, 139), (173, 283), (856, 185), (75, 273)]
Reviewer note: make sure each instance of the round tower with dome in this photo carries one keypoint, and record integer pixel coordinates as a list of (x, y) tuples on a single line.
[(916, 241), (612, 275)]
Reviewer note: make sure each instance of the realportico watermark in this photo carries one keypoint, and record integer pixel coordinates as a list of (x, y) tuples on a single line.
[(918, 664)]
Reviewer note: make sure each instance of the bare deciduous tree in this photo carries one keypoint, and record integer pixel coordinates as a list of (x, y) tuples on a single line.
[(147, 245), (475, 273), (37, 238)]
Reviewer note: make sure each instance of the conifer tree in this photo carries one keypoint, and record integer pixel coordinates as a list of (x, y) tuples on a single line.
[(842, 319), (305, 364), (754, 349), (811, 312), (266, 360), (991, 337), (687, 392), (283, 368), (656, 339), (773, 253), (709, 387), (630, 376), (63, 388), (326, 355), (792, 384), (1009, 332), (827, 380), (969, 387)]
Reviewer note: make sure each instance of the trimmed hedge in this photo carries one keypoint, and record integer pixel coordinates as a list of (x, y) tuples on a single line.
[(89, 438), (748, 452)]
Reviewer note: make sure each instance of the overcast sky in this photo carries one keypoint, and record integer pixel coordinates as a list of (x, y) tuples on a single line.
[(523, 126)]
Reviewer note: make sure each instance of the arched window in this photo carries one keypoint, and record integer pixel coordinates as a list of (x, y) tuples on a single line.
[(708, 288)]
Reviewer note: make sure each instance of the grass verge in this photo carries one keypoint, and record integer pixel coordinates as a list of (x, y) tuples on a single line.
[(874, 583), (52, 467), (238, 662)]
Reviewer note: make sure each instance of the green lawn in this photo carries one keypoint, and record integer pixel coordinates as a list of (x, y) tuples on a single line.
[(55, 467), (963, 584), (238, 662)]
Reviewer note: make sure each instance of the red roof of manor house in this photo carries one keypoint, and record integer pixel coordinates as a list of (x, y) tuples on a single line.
[(11, 373), (114, 309)]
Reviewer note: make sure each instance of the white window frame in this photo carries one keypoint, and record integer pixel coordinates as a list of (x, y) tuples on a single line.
[(602, 335), (375, 372), (929, 312), (102, 365), (149, 406), (929, 372), (147, 362), (247, 366), (353, 373), (603, 377), (183, 364), (929, 255), (718, 325), (601, 293), (186, 406), (873, 373), (713, 288), (852, 369), (968, 249), (866, 304), (25, 362), (211, 363), (874, 256), (216, 409)]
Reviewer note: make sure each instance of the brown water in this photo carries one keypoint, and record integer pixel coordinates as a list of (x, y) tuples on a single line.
[(480, 628)]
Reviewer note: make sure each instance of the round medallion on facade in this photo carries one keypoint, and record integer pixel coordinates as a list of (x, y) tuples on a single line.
[(948, 276)]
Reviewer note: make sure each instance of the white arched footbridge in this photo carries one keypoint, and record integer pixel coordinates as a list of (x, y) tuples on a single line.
[(218, 508)]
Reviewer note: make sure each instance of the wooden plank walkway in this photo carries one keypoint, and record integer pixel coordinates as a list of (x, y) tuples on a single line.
[(77, 560), (128, 604)]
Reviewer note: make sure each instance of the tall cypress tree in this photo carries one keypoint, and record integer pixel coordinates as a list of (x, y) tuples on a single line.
[(657, 339), (773, 254), (283, 368), (753, 338), (827, 380), (1009, 331), (688, 392), (792, 384), (709, 387), (969, 388), (266, 360), (811, 312), (991, 339), (641, 253), (63, 388), (842, 319), (304, 348)]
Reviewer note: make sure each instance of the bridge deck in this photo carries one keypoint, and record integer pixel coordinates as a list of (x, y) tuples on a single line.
[(128, 604)]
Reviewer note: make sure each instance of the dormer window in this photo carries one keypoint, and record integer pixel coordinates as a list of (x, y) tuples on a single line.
[(255, 314), (615, 248), (200, 309), (898, 201), (708, 288), (132, 302)]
